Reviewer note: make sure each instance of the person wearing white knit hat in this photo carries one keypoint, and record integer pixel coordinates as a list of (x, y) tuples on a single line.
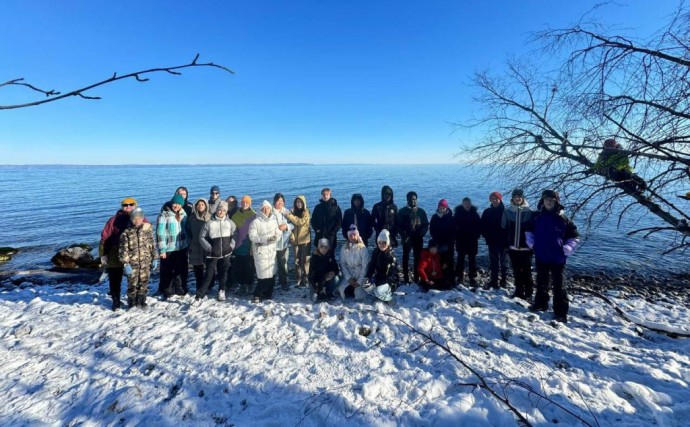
[(382, 274), (263, 233)]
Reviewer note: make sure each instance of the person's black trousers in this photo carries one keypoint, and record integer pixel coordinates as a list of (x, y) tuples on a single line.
[(468, 250), (522, 272), (244, 269), (498, 264), (282, 263), (555, 274), (222, 265), (173, 275), (264, 288), (115, 283), (415, 246)]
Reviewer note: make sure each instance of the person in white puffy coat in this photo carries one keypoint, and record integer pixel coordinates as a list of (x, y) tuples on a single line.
[(264, 233), (354, 259)]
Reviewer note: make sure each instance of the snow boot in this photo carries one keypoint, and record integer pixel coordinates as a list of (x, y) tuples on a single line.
[(256, 300), (535, 308), (221, 295), (130, 302), (116, 303), (561, 319), (141, 301)]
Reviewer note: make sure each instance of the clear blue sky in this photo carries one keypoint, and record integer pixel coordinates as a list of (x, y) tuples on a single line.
[(317, 81)]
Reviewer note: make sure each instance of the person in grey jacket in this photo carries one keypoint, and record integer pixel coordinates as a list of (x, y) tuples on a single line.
[(195, 222), (217, 237), (516, 220)]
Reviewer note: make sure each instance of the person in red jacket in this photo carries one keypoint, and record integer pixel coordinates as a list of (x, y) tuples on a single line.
[(431, 270)]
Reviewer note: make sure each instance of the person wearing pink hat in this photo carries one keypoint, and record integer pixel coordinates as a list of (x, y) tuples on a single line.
[(442, 230), (496, 239)]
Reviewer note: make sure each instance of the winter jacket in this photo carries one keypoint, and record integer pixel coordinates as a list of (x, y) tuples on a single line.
[(212, 205), (110, 238), (284, 239), (550, 231), (413, 224), (430, 266), (384, 215), (515, 220), (218, 237), (360, 217), (354, 260), (320, 266), (195, 223), (383, 268), (243, 220), (442, 229), (326, 220), (301, 233), (468, 227), (137, 246), (263, 233), (171, 233), (612, 159), (494, 234)]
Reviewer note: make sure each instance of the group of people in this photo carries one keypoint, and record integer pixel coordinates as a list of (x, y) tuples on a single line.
[(228, 242)]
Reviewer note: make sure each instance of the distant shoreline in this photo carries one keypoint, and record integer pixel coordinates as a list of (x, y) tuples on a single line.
[(65, 165)]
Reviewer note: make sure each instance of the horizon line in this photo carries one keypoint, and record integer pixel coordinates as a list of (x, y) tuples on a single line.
[(219, 164)]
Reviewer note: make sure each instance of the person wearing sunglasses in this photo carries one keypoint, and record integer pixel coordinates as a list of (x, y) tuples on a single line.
[(214, 199), (109, 247)]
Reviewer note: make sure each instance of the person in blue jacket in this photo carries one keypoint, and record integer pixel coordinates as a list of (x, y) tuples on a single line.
[(553, 237)]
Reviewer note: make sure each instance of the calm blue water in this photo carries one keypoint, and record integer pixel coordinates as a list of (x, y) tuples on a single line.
[(47, 207)]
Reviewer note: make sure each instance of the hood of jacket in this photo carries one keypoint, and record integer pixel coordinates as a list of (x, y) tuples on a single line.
[(359, 197), (202, 217), (260, 215), (384, 190), (304, 202), (524, 205)]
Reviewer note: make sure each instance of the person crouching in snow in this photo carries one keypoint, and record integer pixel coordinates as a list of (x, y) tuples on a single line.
[(354, 259), (431, 270), (264, 233), (217, 238), (554, 237), (323, 271), (382, 272), (138, 254)]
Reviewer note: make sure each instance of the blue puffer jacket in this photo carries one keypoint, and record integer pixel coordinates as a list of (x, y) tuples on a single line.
[(551, 230)]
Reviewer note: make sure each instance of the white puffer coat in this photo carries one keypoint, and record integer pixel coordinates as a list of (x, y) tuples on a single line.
[(354, 259), (261, 230)]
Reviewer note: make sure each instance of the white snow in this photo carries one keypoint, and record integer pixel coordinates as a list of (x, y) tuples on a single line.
[(68, 360)]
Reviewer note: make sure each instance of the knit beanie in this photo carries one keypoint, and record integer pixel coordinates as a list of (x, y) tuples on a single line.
[(137, 213), (222, 205), (177, 199), (266, 203), (552, 194), (443, 203), (246, 199), (518, 193), (384, 236), (324, 243), (497, 195), (129, 201), (216, 189)]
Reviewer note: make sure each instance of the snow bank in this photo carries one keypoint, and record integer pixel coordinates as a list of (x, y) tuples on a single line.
[(68, 360)]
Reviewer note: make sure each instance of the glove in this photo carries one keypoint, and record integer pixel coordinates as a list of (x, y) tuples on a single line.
[(104, 260), (128, 270), (569, 247), (272, 239), (154, 264), (529, 238)]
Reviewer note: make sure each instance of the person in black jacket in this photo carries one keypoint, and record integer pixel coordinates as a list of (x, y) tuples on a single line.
[(326, 219), (323, 272), (442, 230), (382, 272), (217, 237), (467, 233), (413, 225), (496, 238), (359, 216), (384, 215)]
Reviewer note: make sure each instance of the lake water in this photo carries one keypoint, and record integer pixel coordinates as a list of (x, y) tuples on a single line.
[(48, 207)]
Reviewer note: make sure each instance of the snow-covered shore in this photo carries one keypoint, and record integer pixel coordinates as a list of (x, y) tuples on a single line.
[(68, 360)]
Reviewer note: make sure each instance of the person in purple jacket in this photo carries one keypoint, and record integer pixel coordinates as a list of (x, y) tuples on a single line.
[(553, 237)]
